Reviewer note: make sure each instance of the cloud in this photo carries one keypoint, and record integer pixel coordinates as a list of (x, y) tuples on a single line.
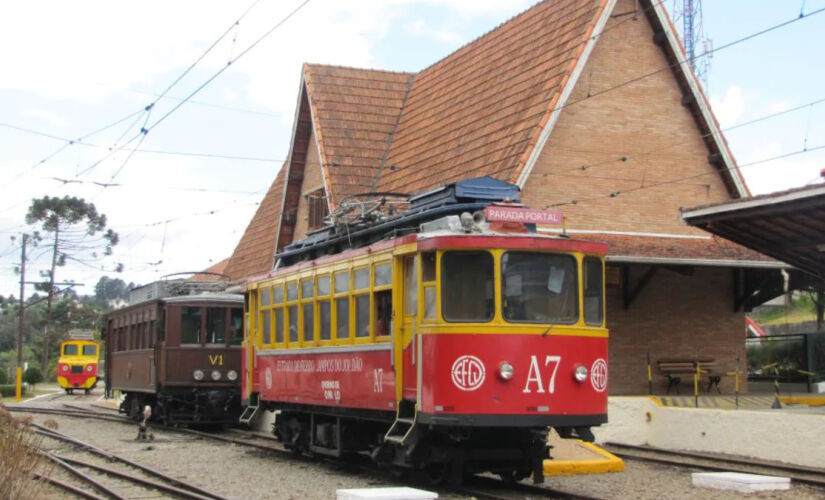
[(729, 109), (421, 29)]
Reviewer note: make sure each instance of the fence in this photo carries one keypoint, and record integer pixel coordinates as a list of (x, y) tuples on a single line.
[(790, 358)]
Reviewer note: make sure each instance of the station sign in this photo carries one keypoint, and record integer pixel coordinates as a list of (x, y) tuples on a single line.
[(78, 334), (499, 213)]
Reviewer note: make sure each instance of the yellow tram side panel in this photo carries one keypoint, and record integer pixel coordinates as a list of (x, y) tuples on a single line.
[(79, 359)]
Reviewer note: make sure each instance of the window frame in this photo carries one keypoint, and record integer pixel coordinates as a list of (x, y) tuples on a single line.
[(373, 302), (494, 259), (578, 287)]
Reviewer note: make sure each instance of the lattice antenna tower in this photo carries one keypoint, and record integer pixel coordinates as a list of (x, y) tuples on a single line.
[(693, 36)]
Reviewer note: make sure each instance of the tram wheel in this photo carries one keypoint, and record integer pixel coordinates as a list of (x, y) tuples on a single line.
[(512, 476), (87, 391), (436, 472)]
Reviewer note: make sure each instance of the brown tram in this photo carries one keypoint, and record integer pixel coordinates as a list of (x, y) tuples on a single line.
[(180, 355)]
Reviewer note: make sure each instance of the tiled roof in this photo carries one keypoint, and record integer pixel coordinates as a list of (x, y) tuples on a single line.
[(675, 248), (217, 269), (255, 251), (355, 113), (480, 110)]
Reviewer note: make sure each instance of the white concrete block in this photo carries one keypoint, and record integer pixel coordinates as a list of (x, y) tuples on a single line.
[(395, 493), (743, 483)]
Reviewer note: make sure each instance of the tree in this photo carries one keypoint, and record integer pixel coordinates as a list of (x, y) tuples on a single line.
[(64, 220), (32, 376), (108, 290)]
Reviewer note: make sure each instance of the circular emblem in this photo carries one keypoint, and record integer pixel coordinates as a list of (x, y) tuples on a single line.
[(268, 378), (598, 375), (468, 373)]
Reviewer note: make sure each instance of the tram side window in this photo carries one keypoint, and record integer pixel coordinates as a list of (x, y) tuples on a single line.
[(324, 308), (307, 309), (266, 327), (236, 324), (382, 299), (190, 325), (361, 281), (215, 325), (428, 263), (341, 290), (539, 287), (593, 295), (70, 350), (467, 286)]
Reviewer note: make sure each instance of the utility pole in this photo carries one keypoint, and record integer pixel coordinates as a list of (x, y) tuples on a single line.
[(19, 378)]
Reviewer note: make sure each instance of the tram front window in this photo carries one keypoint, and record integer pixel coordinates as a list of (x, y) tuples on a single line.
[(467, 286), (539, 287)]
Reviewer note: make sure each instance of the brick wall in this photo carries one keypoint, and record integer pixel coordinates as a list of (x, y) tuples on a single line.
[(675, 315), (644, 122), (312, 181)]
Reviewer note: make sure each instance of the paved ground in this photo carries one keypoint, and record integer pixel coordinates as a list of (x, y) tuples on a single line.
[(812, 404)]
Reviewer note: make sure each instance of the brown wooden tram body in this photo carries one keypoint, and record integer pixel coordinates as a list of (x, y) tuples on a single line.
[(179, 355)]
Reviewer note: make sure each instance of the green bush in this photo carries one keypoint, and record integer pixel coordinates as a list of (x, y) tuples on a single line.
[(8, 390), (33, 376), (4, 379)]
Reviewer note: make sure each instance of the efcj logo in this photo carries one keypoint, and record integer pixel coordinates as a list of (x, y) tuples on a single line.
[(598, 375), (468, 373), (268, 378)]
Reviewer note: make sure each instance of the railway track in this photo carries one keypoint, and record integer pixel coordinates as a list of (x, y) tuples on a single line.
[(116, 476), (707, 461), (481, 487)]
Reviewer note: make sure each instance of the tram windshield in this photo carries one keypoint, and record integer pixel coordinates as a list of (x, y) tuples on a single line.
[(70, 350), (467, 286), (539, 287), (89, 350)]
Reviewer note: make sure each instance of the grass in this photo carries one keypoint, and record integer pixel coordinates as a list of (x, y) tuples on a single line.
[(39, 390), (19, 459)]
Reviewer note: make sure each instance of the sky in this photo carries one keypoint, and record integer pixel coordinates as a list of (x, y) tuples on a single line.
[(181, 195)]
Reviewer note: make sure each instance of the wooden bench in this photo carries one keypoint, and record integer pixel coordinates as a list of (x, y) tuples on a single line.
[(672, 368)]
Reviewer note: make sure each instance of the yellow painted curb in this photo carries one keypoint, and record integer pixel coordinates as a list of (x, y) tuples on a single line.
[(803, 400), (610, 463)]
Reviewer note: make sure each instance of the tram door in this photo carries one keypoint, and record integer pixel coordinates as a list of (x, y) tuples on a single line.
[(406, 338)]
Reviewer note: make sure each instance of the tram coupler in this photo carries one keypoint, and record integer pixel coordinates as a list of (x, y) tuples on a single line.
[(143, 426)]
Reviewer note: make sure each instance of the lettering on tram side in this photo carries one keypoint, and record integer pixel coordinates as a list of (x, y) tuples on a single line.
[(334, 365), (534, 374), (378, 380), (216, 360), (468, 372), (331, 390)]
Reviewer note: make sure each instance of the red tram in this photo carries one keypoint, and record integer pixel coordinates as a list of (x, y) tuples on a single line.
[(444, 341)]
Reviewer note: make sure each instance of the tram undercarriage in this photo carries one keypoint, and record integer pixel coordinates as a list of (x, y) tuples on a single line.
[(185, 406), (441, 453)]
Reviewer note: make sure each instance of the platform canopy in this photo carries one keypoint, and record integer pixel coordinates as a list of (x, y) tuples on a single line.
[(787, 225)]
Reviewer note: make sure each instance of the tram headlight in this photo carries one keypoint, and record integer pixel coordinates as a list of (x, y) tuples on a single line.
[(216, 375), (197, 374), (232, 375), (505, 370), (64, 368), (89, 368), (580, 373)]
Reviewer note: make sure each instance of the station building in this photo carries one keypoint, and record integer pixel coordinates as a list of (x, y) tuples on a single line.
[(589, 107)]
